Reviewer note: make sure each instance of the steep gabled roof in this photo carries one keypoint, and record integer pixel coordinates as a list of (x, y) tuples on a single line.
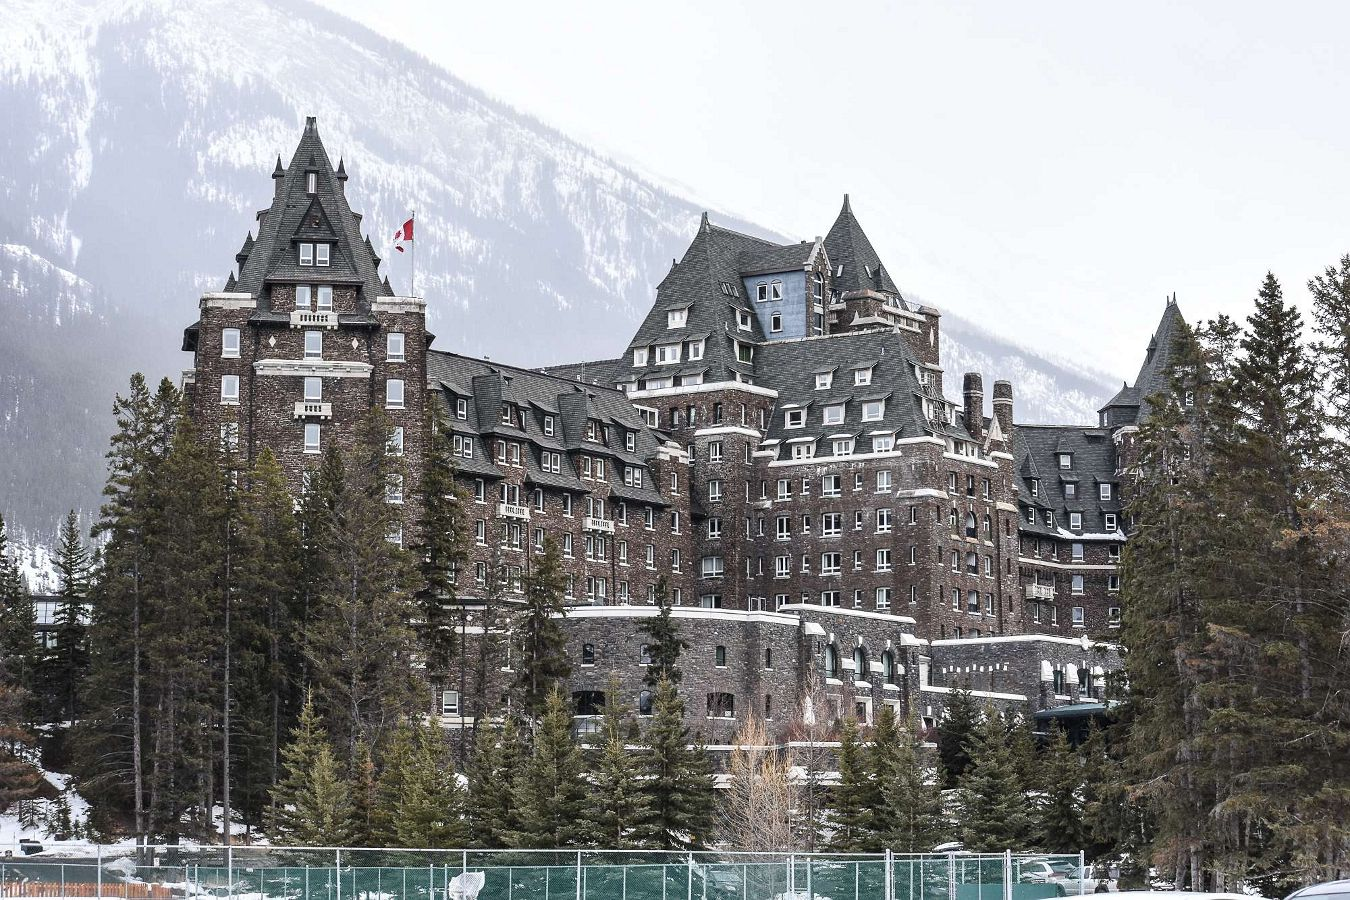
[(1130, 404), (296, 215), (857, 267)]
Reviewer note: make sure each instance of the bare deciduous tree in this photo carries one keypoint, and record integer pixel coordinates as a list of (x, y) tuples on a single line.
[(756, 811)]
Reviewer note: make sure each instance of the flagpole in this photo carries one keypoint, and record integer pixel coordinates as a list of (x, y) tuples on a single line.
[(413, 219)]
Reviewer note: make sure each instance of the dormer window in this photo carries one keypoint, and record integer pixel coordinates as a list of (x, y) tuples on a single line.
[(667, 354), (743, 319), (696, 349), (862, 376), (639, 356), (834, 415), (824, 380), (873, 410), (1066, 460), (461, 408), (506, 414), (745, 352), (794, 418), (1104, 491), (1070, 491), (321, 254), (677, 318), (630, 441), (306, 254), (1035, 487), (548, 425), (311, 183)]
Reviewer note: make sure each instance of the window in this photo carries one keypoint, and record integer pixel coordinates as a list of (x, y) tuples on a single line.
[(831, 661), (325, 295), (311, 183), (829, 598), (1066, 460), (714, 528), (829, 564), (818, 286), (667, 353), (306, 254), (775, 290), (311, 437), (831, 524), (313, 344), (883, 443), (721, 706), (1109, 521), (677, 318), (714, 451), (714, 490), (313, 388), (449, 699), (1070, 490), (1113, 582), (712, 567), (1076, 551), (1075, 521), (834, 415), (588, 654), (321, 254), (743, 320), (1076, 584), (761, 292), (393, 393), (393, 346), (829, 486), (229, 343), (776, 322), (782, 566), (873, 410), (883, 559), (784, 489), (695, 352), (1113, 616), (862, 376), (1078, 615), (883, 596), (1104, 491), (229, 389), (710, 601), (639, 356), (884, 481), (843, 447), (302, 296), (393, 489), (1113, 552), (645, 698), (794, 418), (824, 380), (883, 521), (229, 439), (720, 657)]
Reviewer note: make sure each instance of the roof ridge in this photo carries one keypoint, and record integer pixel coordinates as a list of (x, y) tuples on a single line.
[(501, 365)]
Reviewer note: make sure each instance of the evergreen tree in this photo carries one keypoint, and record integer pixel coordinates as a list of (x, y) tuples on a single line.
[(665, 643), (365, 797), (1331, 323), (852, 799), (957, 734), (19, 777), (65, 666), (543, 658), (499, 756), (677, 779), (392, 786), (429, 809), (993, 801), (442, 550), (313, 804), (1061, 813), (549, 793), (908, 815), (618, 805), (19, 648)]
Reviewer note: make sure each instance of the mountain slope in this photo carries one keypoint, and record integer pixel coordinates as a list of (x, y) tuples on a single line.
[(144, 135)]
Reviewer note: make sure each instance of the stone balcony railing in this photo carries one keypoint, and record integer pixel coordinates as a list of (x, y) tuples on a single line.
[(313, 409)]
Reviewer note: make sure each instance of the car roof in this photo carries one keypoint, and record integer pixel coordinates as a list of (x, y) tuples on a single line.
[(1326, 888), (1179, 895)]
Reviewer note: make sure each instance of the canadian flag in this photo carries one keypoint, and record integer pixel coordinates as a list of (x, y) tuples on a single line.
[(404, 234)]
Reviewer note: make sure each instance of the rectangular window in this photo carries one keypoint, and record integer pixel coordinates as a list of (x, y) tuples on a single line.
[(873, 410), (883, 521), (1066, 460), (883, 443), (883, 598), (303, 294), (393, 393), (831, 524), (229, 439), (1109, 520), (393, 489), (313, 388), (306, 254), (395, 445), (883, 559), (824, 380), (639, 356), (1104, 491), (229, 343), (394, 346), (834, 415), (1075, 521), (884, 482), (313, 344), (862, 376), (1076, 584), (776, 322), (1078, 615), (229, 389), (677, 318), (1113, 582), (311, 437), (325, 295), (667, 353), (714, 451), (1113, 616), (714, 490), (321, 254), (794, 418), (712, 567), (829, 564)]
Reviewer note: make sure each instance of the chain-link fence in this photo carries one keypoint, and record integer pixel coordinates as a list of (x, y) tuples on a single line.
[(280, 873)]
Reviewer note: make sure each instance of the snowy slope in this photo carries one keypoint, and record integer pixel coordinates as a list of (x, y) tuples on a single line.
[(143, 134)]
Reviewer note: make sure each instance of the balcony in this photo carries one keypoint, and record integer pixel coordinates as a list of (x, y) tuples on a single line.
[(304, 318), (1040, 592), (591, 523), (313, 409), (513, 511)]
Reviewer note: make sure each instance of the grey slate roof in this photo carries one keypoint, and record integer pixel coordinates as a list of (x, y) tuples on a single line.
[(486, 385), (1129, 406), (1036, 450), (848, 247)]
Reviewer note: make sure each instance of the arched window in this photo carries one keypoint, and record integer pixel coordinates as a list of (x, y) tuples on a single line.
[(970, 525), (888, 666), (588, 654), (645, 703), (952, 518), (831, 661), (819, 287), (859, 664), (988, 528), (721, 706)]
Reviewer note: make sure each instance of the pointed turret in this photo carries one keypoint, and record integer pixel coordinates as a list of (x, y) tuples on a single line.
[(857, 267), (1130, 404)]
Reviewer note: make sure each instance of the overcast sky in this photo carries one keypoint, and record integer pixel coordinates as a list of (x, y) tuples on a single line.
[(1053, 169)]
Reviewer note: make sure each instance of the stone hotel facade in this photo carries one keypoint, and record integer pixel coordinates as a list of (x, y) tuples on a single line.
[(777, 440)]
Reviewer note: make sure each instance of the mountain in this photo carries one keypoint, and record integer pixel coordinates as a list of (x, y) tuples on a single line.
[(139, 140)]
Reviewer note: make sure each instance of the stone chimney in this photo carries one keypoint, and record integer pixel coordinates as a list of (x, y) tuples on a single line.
[(1003, 408), (973, 392)]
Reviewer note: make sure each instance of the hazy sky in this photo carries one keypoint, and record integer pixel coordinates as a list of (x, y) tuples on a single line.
[(1051, 168)]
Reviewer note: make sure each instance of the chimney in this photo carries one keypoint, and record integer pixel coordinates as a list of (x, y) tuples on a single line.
[(973, 392), (1003, 408)]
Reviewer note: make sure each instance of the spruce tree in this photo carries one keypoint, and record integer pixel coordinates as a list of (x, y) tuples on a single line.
[(851, 802), (304, 806), (68, 662), (538, 627), (1061, 814), (499, 756), (908, 816), (324, 815), (19, 776), (19, 647), (993, 803), (957, 733), (429, 810), (677, 778), (365, 798), (618, 805), (664, 641), (549, 793)]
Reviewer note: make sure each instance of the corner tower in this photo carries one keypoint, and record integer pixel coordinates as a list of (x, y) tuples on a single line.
[(305, 338)]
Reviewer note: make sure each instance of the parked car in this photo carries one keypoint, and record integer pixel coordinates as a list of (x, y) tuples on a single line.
[(29, 846), (1090, 879), (1037, 871), (1329, 890), (1178, 895)]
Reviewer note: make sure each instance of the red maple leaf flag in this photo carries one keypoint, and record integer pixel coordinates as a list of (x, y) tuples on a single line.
[(403, 234)]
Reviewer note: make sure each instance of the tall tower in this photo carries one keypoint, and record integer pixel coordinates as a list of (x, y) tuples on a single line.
[(306, 337)]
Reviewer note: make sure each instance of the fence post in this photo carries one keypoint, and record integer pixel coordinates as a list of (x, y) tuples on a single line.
[(792, 874), (689, 877), (810, 894), (578, 875), (1082, 874), (951, 876), (229, 869), (337, 871), (1007, 875), (889, 893), (98, 875)]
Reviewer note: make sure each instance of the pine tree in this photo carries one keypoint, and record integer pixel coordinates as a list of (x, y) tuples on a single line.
[(1331, 323), (994, 815), (442, 550), (429, 810), (549, 793), (908, 815), (324, 816), (499, 756), (365, 798), (543, 658), (298, 759), (665, 644), (677, 779), (19, 648), (1061, 813), (957, 734), (618, 805), (68, 662), (851, 806)]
